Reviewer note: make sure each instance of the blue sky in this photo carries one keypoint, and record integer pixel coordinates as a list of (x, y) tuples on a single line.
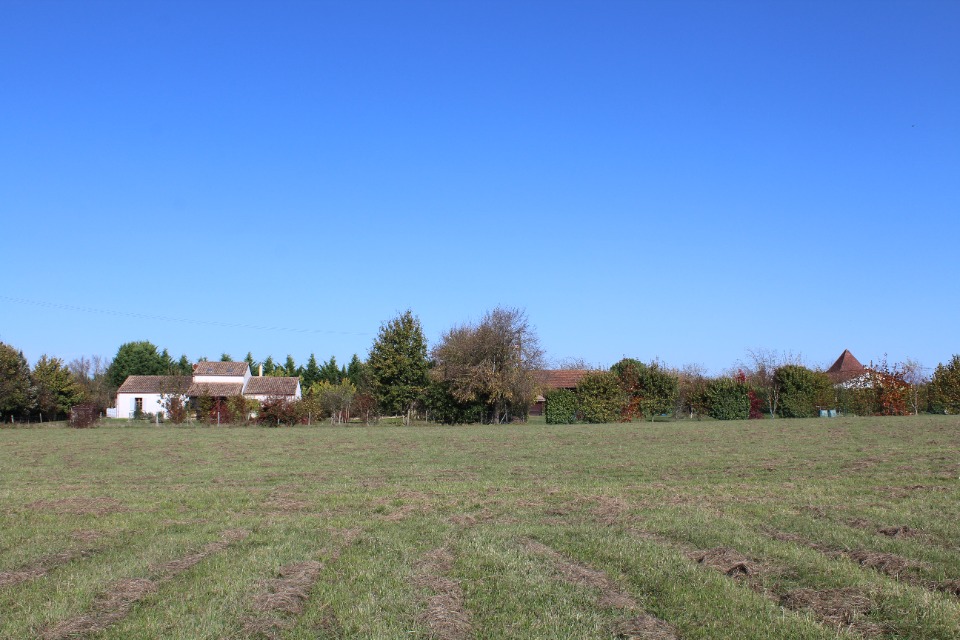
[(682, 180)]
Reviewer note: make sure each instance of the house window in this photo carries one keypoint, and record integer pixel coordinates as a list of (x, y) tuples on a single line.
[(138, 404)]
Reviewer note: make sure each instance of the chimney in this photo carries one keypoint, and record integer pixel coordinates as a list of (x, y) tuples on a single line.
[(261, 371)]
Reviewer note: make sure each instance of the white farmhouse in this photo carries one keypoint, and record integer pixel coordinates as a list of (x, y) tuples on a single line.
[(146, 394)]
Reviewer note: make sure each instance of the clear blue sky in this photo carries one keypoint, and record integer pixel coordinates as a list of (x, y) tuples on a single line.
[(676, 179)]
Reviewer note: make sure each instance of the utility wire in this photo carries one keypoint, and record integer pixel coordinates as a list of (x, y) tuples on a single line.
[(147, 316)]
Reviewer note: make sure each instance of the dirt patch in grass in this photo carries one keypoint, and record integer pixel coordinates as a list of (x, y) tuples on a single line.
[(814, 510), (579, 574), (287, 593), (644, 627), (445, 614), (410, 502), (284, 502), (899, 532), (86, 536), (839, 608), (227, 538), (903, 492), (283, 598), (114, 605), (951, 587), (640, 626), (888, 563), (79, 506), (41, 567), (110, 607), (727, 561), (610, 510)]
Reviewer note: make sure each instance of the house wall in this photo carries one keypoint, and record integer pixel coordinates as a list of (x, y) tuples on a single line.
[(152, 403), (225, 379)]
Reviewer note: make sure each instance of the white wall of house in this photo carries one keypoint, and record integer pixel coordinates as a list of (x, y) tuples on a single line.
[(127, 404), (225, 379)]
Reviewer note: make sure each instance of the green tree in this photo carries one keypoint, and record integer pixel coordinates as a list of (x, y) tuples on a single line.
[(335, 399), (14, 382), (269, 366), (649, 389), (137, 359), (358, 373), (728, 398), (225, 357), (311, 373), (492, 362), (802, 391), (442, 407), (600, 397), (398, 362), (184, 368), (55, 388), (945, 387), (330, 371)]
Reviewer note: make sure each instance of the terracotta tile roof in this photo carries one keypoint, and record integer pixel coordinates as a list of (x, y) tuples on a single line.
[(271, 386), (846, 368), (215, 389), (560, 378), (220, 369), (154, 384)]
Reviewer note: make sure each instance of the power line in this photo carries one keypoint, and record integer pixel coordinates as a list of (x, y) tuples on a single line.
[(147, 316)]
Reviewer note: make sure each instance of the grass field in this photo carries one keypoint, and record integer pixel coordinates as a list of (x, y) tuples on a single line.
[(765, 529)]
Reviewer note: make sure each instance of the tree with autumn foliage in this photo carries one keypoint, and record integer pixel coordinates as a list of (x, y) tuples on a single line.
[(649, 389), (492, 362)]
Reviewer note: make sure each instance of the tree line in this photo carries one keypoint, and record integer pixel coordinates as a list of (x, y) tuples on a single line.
[(767, 385), (487, 372)]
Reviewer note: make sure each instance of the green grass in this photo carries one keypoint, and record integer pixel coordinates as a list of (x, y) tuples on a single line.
[(629, 500)]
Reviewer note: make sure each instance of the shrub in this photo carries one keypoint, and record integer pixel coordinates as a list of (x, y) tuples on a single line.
[(443, 407), (560, 406), (802, 391), (648, 389), (278, 411), (728, 399), (945, 387), (599, 397), (241, 408), (176, 408)]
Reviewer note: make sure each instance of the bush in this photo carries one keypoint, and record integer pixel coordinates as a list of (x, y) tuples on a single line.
[(945, 387), (600, 398), (242, 408), (84, 416), (802, 391), (648, 390), (560, 406), (278, 411), (728, 399), (176, 408), (442, 407)]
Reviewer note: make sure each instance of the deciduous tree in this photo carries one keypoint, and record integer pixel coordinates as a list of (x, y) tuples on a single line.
[(492, 362)]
